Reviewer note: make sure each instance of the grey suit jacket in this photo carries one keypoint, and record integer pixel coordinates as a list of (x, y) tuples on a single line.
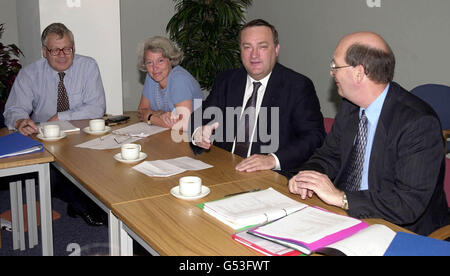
[(406, 168)]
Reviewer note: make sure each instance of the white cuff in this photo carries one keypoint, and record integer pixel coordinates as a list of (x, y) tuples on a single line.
[(193, 135), (278, 165)]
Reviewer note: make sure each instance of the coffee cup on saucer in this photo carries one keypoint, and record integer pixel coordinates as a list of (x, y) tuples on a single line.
[(97, 125), (190, 186), (130, 151), (50, 131)]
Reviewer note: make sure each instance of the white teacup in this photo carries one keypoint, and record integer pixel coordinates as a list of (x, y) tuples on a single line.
[(190, 186), (50, 131), (130, 151), (97, 125)]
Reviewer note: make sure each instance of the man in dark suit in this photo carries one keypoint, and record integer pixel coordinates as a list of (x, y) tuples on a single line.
[(285, 123), (385, 152)]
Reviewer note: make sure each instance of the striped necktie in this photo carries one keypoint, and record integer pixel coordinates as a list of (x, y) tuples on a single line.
[(355, 166), (247, 123)]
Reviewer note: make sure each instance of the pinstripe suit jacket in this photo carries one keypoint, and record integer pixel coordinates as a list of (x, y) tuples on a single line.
[(406, 168)]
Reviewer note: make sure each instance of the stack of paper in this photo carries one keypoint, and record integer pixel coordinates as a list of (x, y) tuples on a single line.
[(310, 229), (263, 246), (252, 208), (166, 168), (371, 241)]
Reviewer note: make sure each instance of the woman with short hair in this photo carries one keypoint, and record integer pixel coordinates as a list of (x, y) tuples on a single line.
[(170, 92)]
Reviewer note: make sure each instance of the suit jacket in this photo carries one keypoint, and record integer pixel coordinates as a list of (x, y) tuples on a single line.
[(406, 168), (298, 130)]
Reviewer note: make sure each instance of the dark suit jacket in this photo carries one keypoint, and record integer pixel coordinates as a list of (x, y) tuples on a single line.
[(406, 168), (298, 128)]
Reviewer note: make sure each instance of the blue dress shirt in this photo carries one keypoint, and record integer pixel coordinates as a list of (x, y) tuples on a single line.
[(35, 91), (373, 114), (181, 86)]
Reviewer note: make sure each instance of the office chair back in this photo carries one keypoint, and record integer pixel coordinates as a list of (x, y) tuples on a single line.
[(438, 97)]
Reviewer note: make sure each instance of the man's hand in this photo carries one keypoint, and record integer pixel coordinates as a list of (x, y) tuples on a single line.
[(202, 136), (26, 127), (306, 183), (257, 162)]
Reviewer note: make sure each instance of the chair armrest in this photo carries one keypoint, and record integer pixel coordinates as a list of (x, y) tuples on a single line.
[(442, 233)]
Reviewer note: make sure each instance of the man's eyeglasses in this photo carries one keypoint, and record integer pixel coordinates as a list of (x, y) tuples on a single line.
[(334, 68), (55, 52)]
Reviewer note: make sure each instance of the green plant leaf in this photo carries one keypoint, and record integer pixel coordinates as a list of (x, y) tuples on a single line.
[(207, 32)]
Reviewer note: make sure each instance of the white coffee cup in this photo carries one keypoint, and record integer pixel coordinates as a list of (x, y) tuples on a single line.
[(190, 185), (50, 131), (130, 151), (97, 125)]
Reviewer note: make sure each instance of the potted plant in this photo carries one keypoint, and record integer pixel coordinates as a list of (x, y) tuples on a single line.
[(207, 32), (9, 67)]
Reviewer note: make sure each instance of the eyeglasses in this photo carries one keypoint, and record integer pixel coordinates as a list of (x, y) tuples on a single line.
[(334, 68), (55, 52)]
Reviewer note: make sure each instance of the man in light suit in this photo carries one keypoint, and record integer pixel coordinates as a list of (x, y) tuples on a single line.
[(402, 166), (286, 107)]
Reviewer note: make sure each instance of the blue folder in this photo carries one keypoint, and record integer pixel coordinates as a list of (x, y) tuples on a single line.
[(17, 144), (405, 244)]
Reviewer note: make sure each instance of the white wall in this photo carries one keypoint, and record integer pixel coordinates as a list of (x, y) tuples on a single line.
[(418, 32), (96, 28), (29, 31), (8, 17), (139, 20)]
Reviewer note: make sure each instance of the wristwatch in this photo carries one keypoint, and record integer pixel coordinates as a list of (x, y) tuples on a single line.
[(148, 119), (344, 202)]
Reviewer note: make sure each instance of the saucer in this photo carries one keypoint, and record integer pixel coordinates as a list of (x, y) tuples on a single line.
[(175, 191), (118, 157), (88, 131), (62, 135)]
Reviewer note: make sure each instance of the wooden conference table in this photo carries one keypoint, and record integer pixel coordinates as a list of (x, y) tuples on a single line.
[(141, 207), (34, 162), (108, 182)]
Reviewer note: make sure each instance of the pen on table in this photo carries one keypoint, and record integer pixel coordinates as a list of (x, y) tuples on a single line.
[(244, 192)]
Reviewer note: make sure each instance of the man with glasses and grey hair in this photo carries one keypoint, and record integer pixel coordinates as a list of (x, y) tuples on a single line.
[(60, 86)]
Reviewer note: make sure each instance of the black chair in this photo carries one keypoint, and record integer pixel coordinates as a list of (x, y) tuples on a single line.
[(438, 97)]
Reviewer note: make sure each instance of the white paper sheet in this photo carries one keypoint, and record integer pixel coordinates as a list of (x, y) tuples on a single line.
[(252, 208), (372, 241), (166, 168), (117, 138)]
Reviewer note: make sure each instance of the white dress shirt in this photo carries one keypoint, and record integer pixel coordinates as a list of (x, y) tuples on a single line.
[(259, 100)]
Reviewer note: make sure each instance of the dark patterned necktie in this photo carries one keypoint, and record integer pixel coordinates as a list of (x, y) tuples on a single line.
[(247, 123), (63, 99), (355, 166)]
